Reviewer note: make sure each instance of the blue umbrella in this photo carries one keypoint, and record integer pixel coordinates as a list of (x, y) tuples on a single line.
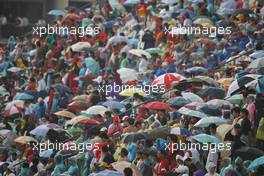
[(205, 138), (196, 70), (56, 12), (257, 54), (92, 65), (256, 163), (23, 96), (46, 153), (62, 88), (131, 2), (180, 131), (107, 173), (113, 104), (210, 109), (133, 42), (178, 101)]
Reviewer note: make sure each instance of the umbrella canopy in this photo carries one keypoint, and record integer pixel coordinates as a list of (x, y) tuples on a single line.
[(225, 81), (56, 12), (205, 138), (131, 91), (241, 83), (66, 114), (248, 153), (192, 113), (81, 98), (46, 153), (121, 165), (107, 172), (256, 163), (127, 74), (180, 131), (25, 139), (235, 99), (14, 69), (96, 109), (213, 92), (117, 39), (23, 96), (134, 137), (205, 122), (161, 132), (75, 120), (88, 121), (131, 2), (223, 129), (42, 130), (168, 79), (16, 103), (210, 110), (12, 111), (156, 105), (207, 80), (139, 53), (192, 97), (92, 65), (62, 88), (178, 101), (219, 103), (256, 64), (80, 46), (156, 51), (78, 106), (196, 70), (113, 104), (204, 21), (257, 54)]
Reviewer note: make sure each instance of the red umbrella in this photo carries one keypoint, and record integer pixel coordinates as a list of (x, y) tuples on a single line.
[(168, 79), (13, 110), (156, 105), (89, 121)]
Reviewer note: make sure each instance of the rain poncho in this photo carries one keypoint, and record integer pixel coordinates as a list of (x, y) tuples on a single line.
[(73, 169), (59, 168), (132, 151)]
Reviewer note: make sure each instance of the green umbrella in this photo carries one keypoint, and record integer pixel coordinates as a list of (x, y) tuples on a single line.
[(236, 99), (92, 65), (154, 51)]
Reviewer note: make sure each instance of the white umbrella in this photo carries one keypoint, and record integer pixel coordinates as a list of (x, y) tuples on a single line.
[(80, 46), (257, 63), (139, 53), (96, 109), (205, 122), (127, 74), (192, 97)]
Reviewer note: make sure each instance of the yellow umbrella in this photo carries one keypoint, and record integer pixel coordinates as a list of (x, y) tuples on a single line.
[(222, 130), (25, 139), (66, 114), (131, 91)]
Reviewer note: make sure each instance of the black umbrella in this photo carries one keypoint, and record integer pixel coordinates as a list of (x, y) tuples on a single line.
[(210, 110), (213, 92), (134, 137), (248, 153)]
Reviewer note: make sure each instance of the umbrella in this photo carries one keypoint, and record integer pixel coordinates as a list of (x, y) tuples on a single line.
[(13, 110), (180, 131), (213, 92), (121, 165), (78, 106), (169, 1), (117, 39), (25, 139), (81, 98), (139, 53), (178, 101), (257, 63), (56, 12), (241, 83), (96, 109), (62, 88), (42, 130), (4, 132), (243, 11), (64, 113), (192, 113), (16, 103), (192, 97), (46, 153), (161, 132), (203, 21), (225, 81), (131, 91), (107, 172), (80, 46), (235, 99), (168, 79), (14, 69), (89, 121), (248, 153), (196, 70), (131, 2), (23, 96), (113, 104), (227, 7), (156, 105), (75, 120), (256, 163), (205, 138), (211, 110), (92, 65), (207, 80), (205, 122), (223, 129), (219, 103), (133, 42), (257, 54), (134, 137), (154, 51), (127, 74)]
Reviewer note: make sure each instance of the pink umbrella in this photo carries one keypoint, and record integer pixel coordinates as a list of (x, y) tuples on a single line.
[(167, 79), (12, 110)]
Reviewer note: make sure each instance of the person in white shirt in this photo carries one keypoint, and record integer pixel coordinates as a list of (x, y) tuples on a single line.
[(181, 169), (41, 83), (211, 170), (143, 65)]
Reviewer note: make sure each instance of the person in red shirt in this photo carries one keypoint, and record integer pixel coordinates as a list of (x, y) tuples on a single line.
[(162, 166), (32, 84)]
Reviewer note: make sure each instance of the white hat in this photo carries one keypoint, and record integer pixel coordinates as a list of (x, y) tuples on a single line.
[(103, 129), (179, 157)]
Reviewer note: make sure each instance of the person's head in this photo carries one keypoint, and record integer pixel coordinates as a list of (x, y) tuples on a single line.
[(212, 129), (211, 168), (105, 149), (237, 129), (138, 125), (244, 113), (124, 153), (128, 171), (188, 161), (131, 121), (108, 114), (236, 111), (179, 159)]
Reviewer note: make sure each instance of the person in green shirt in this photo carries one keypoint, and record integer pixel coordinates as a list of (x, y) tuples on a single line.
[(125, 63)]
